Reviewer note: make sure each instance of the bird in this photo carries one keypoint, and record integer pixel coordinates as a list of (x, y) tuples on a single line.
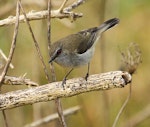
[(77, 49)]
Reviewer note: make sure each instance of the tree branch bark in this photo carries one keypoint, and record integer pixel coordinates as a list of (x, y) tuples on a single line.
[(51, 91)]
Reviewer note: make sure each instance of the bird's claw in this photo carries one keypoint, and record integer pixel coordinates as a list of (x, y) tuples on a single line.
[(86, 77)]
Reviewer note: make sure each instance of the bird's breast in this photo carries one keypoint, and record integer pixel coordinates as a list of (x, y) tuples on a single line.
[(75, 59)]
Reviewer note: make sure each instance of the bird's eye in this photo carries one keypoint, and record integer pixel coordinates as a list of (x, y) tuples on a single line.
[(59, 51)]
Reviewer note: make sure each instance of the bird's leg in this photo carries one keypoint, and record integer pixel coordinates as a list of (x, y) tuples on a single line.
[(87, 74), (65, 78)]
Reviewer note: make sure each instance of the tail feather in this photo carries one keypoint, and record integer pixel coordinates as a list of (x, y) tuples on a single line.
[(108, 24)]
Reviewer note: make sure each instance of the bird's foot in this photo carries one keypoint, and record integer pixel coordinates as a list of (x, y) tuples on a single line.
[(86, 77)]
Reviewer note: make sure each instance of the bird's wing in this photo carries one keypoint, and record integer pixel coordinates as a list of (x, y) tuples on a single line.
[(90, 36), (79, 42)]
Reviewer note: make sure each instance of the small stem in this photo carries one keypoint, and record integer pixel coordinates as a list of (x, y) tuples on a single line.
[(57, 101), (123, 106), (62, 6), (5, 118), (60, 112), (49, 25)]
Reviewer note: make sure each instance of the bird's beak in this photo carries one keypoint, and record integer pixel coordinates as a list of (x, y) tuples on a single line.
[(52, 58)]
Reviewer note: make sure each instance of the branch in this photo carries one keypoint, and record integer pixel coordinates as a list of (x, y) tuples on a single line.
[(32, 15), (51, 91), (52, 117), (9, 80)]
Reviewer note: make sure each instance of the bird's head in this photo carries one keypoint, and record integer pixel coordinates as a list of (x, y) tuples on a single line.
[(55, 53)]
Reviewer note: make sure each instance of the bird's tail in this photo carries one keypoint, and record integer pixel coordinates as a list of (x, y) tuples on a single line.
[(108, 24)]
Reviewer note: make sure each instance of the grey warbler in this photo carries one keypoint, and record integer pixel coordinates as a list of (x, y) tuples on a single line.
[(77, 49)]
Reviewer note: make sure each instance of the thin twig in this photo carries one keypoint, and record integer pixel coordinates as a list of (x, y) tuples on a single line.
[(49, 26), (60, 112), (63, 5), (68, 9), (74, 5), (13, 46), (54, 90), (5, 118), (123, 106), (49, 40), (57, 101), (53, 117), (35, 42)]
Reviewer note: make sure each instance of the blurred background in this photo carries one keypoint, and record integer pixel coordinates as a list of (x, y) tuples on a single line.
[(99, 108)]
